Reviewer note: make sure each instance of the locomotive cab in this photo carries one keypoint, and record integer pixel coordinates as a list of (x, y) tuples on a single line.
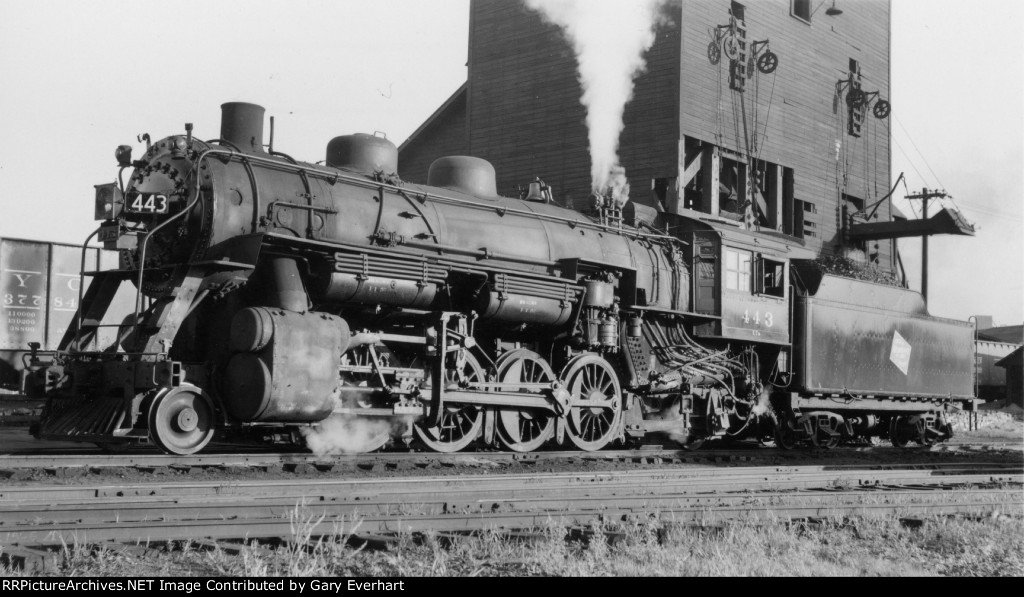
[(741, 282)]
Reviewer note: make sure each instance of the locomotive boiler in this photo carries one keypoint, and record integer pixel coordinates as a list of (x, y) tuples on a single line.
[(273, 294)]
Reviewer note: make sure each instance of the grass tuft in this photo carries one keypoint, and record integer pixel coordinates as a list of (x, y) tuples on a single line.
[(829, 546)]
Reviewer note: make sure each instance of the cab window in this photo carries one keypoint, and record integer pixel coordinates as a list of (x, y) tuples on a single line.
[(771, 277), (737, 270)]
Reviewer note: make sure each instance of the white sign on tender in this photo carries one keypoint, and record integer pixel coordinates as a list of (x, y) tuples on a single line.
[(900, 353)]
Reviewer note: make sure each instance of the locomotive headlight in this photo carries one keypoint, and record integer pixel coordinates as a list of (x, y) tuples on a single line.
[(109, 201), (123, 155)]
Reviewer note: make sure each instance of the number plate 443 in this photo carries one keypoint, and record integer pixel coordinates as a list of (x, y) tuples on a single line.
[(148, 204)]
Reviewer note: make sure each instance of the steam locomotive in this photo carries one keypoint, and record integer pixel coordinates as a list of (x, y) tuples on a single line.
[(273, 295)]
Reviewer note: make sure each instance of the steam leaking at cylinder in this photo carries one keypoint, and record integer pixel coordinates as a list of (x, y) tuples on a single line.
[(346, 435)]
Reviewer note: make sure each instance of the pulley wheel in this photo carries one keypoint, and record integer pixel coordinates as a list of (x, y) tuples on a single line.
[(524, 430), (768, 62), (731, 47), (714, 53), (882, 109), (181, 420)]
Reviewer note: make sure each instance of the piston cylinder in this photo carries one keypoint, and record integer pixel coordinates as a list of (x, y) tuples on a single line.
[(285, 369)]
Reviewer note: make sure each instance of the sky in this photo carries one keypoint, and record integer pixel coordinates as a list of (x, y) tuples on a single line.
[(77, 79)]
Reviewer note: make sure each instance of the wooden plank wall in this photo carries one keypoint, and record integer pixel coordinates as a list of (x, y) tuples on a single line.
[(524, 113), (445, 135), (797, 126)]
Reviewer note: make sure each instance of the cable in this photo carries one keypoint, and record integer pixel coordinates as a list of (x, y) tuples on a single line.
[(771, 99), (910, 161), (874, 160), (907, 133)]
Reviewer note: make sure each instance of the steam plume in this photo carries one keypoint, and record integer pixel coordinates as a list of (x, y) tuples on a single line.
[(609, 38), (345, 435)]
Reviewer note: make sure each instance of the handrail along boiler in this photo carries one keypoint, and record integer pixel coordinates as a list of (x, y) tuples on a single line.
[(275, 294)]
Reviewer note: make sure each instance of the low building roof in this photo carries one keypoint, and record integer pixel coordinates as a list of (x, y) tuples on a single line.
[(1014, 359), (1011, 334)]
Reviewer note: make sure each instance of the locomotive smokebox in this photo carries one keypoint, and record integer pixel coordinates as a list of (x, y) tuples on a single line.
[(241, 124), (363, 153)]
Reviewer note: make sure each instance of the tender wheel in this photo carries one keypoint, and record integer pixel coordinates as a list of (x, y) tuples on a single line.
[(785, 432), (824, 440), (595, 406), (460, 423), (524, 430), (899, 432), (181, 420), (923, 437), (821, 438)]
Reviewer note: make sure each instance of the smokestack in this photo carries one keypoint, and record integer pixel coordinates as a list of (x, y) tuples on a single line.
[(241, 124)]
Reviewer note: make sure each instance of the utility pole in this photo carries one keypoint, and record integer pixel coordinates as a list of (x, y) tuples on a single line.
[(925, 195)]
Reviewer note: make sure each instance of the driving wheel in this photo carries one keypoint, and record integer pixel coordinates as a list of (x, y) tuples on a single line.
[(524, 429), (595, 404), (460, 423)]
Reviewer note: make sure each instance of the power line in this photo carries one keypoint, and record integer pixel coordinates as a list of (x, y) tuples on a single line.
[(909, 161), (924, 159)]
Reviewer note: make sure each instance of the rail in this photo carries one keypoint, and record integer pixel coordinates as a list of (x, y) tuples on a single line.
[(35, 514)]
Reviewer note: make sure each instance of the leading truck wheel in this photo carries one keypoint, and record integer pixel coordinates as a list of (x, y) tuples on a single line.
[(181, 420)]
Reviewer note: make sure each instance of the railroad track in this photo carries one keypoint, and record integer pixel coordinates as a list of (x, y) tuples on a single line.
[(71, 463), (292, 461), (33, 515)]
